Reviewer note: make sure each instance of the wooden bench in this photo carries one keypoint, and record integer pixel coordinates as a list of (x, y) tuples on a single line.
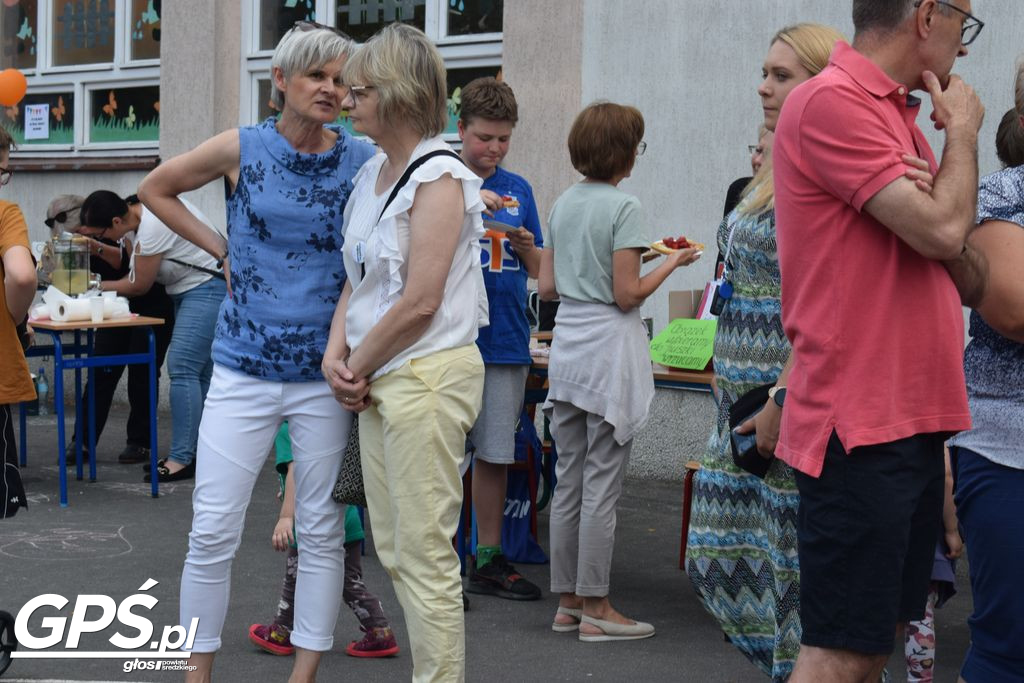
[(691, 469)]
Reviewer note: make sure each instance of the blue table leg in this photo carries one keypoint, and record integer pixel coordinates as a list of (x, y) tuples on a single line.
[(22, 435), (91, 373), (79, 422), (61, 363), (58, 393), (155, 487), (471, 546)]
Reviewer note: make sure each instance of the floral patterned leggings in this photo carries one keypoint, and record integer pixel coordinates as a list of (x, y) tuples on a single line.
[(919, 642), (364, 604)]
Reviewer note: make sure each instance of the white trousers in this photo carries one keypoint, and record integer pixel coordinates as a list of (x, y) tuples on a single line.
[(240, 419)]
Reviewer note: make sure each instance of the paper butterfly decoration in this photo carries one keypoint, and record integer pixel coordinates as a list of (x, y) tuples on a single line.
[(150, 16), (59, 110), (111, 106), (455, 102)]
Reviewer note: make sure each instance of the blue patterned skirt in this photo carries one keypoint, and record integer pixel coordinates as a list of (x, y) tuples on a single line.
[(741, 553)]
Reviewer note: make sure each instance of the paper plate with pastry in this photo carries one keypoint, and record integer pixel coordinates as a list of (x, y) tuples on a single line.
[(668, 245), (496, 226)]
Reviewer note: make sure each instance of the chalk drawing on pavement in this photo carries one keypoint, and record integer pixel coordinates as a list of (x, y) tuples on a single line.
[(67, 543)]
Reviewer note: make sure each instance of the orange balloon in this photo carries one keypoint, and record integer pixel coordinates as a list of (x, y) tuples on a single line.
[(13, 85)]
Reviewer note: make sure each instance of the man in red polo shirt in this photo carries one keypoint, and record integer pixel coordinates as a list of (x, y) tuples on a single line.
[(875, 320)]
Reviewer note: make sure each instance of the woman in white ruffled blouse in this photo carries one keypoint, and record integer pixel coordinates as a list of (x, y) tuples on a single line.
[(401, 350)]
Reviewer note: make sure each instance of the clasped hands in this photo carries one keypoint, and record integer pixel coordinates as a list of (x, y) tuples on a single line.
[(351, 392)]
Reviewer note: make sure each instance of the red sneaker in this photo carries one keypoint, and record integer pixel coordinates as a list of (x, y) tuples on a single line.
[(272, 638), (378, 642)]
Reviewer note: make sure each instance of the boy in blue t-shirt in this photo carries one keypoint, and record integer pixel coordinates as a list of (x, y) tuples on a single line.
[(511, 253)]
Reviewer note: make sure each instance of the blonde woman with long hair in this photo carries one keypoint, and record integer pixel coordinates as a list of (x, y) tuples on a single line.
[(742, 540)]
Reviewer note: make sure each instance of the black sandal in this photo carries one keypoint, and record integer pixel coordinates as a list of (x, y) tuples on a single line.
[(165, 475), (159, 464)]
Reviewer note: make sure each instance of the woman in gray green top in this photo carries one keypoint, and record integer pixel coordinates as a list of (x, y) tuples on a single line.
[(599, 372)]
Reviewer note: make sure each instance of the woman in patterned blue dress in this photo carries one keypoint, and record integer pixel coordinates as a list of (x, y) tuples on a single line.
[(288, 181), (987, 459), (741, 551)]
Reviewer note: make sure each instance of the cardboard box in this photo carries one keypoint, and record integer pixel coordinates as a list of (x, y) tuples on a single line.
[(684, 303)]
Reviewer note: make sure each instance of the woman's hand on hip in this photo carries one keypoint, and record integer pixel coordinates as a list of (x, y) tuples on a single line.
[(226, 267)]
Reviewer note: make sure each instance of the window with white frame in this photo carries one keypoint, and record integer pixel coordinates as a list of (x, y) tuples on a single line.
[(467, 33), (93, 70)]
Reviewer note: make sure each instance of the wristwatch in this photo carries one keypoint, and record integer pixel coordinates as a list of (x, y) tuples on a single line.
[(220, 262), (777, 394)]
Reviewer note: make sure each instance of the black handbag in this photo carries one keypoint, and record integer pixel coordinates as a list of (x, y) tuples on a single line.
[(744, 446), (348, 489)]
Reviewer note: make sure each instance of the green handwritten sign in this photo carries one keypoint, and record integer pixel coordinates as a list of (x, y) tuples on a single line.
[(686, 343)]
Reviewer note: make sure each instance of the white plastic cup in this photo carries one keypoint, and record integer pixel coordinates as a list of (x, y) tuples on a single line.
[(110, 294), (96, 309)]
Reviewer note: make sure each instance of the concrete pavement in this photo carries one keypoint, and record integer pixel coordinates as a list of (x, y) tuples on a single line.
[(114, 536)]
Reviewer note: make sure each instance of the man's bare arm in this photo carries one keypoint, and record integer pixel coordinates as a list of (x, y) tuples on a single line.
[(936, 224), (970, 275)]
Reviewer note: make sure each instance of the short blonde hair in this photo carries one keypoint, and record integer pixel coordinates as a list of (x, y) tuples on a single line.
[(604, 138), (813, 45), (303, 48), (407, 71)]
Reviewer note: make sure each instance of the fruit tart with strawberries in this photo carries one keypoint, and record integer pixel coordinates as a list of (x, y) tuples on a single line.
[(668, 245)]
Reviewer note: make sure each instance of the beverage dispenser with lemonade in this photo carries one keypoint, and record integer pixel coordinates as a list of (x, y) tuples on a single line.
[(71, 270)]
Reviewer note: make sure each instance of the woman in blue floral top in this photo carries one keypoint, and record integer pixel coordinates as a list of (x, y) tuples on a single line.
[(288, 181), (988, 460)]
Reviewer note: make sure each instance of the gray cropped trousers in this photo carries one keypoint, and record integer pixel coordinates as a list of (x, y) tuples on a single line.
[(590, 468)]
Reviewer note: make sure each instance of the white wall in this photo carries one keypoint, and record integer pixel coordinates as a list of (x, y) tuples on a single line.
[(692, 67), (200, 63)]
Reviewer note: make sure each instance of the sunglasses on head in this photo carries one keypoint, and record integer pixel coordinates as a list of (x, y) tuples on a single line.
[(305, 25), (60, 217)]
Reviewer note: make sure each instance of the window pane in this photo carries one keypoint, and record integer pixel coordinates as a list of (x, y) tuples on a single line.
[(58, 113), (125, 114), (474, 16), (145, 28), (277, 16), (362, 18), (264, 107), (83, 32), (457, 79), (18, 34)]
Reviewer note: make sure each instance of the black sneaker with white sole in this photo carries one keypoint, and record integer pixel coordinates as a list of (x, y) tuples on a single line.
[(498, 577)]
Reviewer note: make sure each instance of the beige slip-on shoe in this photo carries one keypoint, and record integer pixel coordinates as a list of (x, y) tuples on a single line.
[(613, 631), (576, 614)]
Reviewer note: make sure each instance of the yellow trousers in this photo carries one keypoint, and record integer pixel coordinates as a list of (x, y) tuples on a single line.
[(412, 440)]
